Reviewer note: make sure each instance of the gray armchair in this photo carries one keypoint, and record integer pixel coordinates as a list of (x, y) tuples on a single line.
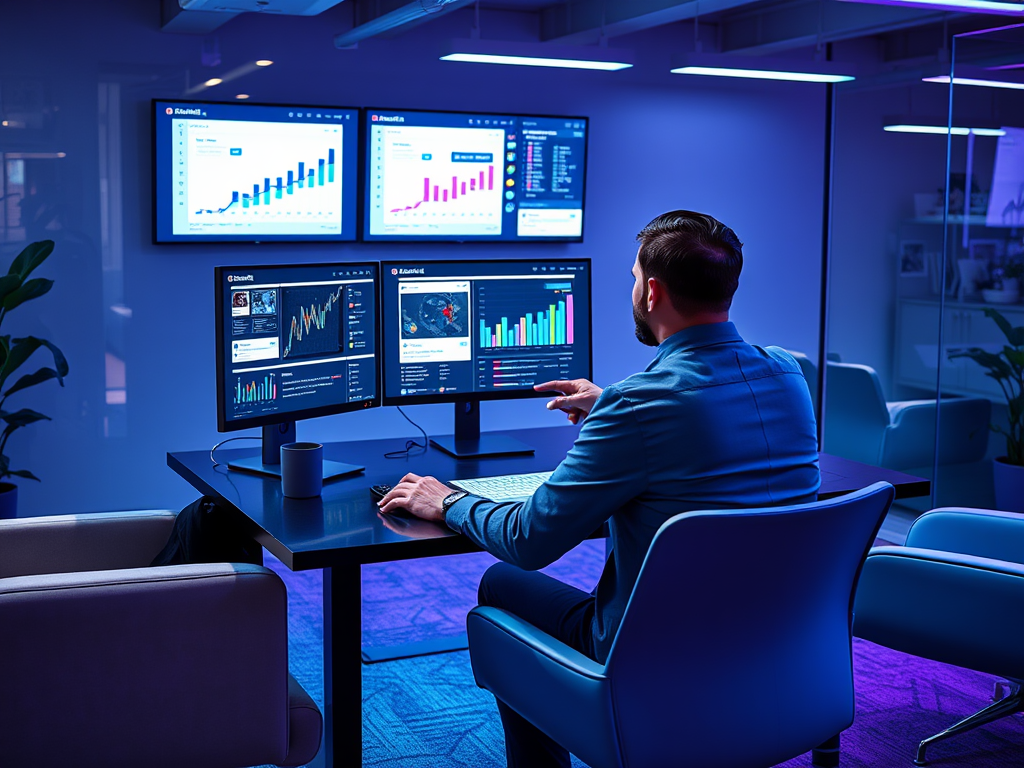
[(105, 661)]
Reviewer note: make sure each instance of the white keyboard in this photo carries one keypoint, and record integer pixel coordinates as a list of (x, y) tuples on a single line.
[(503, 487)]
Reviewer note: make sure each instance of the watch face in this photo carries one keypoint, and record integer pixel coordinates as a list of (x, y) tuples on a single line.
[(451, 498)]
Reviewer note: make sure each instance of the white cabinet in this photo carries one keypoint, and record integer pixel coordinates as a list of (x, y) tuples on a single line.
[(964, 325)]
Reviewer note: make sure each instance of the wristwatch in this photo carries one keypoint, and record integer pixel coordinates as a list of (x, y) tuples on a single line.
[(450, 499)]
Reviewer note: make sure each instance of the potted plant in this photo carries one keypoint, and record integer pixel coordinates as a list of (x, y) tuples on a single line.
[(15, 290), (1006, 367)]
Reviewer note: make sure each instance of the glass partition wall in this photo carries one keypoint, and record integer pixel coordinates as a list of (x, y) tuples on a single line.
[(982, 357), (923, 247)]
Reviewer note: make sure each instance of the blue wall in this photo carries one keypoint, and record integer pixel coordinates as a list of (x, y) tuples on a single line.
[(749, 153)]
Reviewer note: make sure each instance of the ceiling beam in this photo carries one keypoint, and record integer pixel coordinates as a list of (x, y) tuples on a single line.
[(586, 21), (804, 23)]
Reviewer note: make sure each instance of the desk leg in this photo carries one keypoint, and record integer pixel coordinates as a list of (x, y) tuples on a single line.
[(343, 681)]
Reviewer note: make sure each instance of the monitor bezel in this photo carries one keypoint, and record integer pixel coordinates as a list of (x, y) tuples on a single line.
[(275, 239), (223, 425), (461, 397), (366, 237)]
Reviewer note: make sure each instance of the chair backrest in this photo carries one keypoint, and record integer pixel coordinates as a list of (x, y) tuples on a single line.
[(855, 412), (735, 648)]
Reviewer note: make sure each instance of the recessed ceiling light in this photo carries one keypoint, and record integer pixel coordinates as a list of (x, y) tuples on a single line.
[(264, 63), (982, 82), (1012, 8), (213, 81), (242, 96)]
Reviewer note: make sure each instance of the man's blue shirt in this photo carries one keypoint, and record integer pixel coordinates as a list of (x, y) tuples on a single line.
[(712, 423)]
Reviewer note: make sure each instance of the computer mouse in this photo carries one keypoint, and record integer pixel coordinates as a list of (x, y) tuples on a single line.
[(378, 492)]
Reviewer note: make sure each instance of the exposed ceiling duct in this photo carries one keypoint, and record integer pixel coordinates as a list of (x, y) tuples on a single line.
[(393, 16), (202, 16)]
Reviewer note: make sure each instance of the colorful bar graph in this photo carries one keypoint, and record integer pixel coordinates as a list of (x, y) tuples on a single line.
[(282, 187), (255, 391), (551, 327)]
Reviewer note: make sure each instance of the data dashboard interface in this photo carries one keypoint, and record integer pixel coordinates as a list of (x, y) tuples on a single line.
[(295, 342), (254, 172), (482, 329), (460, 176)]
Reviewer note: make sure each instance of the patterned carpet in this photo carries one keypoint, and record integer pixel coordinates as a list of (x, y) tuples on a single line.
[(427, 713)]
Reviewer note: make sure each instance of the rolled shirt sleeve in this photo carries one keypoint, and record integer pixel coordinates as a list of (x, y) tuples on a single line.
[(603, 471)]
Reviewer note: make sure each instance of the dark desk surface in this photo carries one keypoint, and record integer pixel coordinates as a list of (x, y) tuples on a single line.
[(343, 525)]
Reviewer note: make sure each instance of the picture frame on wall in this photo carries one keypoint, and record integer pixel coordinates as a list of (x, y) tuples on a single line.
[(913, 260), (985, 250)]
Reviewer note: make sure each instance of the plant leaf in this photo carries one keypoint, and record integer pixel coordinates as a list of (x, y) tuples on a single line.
[(24, 473), (9, 284), (1014, 335), (31, 257), (31, 379), (31, 289), (23, 417), (23, 349)]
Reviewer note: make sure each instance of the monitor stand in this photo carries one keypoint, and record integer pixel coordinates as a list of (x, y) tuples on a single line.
[(468, 443), (269, 462)]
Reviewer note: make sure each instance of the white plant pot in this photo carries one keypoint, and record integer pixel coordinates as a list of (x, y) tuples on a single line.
[(1009, 483)]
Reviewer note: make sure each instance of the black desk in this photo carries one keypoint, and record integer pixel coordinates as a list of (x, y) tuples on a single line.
[(341, 530)]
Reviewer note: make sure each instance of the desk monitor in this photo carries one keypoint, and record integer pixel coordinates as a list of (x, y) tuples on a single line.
[(465, 331), (294, 342), (246, 172), (459, 176)]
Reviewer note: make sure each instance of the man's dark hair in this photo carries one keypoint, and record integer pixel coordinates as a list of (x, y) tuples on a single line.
[(695, 256)]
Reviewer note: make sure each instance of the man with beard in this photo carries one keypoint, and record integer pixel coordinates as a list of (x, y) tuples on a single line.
[(712, 423)]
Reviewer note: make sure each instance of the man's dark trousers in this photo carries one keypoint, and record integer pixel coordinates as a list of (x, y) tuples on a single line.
[(562, 611)]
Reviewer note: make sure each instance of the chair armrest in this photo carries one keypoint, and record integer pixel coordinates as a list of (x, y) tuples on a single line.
[(90, 542), (178, 665), (558, 689), (910, 437), (978, 532), (944, 606)]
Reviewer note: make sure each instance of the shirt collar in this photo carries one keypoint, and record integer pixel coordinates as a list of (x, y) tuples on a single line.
[(697, 336)]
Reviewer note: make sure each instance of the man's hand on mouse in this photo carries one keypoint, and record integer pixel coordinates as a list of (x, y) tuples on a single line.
[(577, 400), (420, 496)]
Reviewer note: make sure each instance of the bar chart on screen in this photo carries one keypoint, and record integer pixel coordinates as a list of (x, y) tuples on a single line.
[(526, 313), (439, 180), (267, 178)]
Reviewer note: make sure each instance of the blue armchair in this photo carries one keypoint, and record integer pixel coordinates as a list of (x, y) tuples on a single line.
[(107, 662), (729, 606), (861, 425), (955, 594)]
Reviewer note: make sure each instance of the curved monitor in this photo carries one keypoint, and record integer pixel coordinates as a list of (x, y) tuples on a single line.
[(460, 176), (483, 330), (243, 172), (295, 342)]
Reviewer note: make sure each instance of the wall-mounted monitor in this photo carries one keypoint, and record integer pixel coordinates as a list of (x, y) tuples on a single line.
[(254, 172), (459, 176)]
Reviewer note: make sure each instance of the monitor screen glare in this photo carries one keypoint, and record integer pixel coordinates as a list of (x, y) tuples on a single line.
[(483, 330), (295, 342), (460, 176), (254, 172)]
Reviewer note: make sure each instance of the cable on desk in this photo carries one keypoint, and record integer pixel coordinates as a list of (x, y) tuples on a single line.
[(410, 445), (218, 445)]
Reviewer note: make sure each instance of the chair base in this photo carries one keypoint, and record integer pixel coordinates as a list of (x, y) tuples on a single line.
[(1009, 704), (826, 754)]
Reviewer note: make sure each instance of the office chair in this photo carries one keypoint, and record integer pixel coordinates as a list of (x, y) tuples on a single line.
[(810, 372), (955, 594), (735, 648), (861, 425), (107, 662)]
